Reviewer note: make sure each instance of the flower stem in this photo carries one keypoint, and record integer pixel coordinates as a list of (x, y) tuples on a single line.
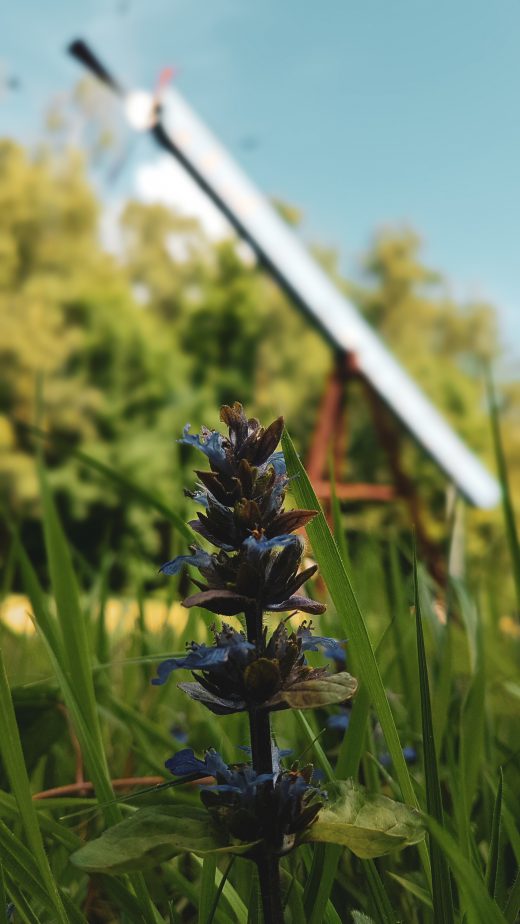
[(260, 730), (262, 759), (269, 876)]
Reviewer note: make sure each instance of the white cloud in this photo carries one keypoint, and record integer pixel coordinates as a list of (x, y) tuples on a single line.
[(164, 180)]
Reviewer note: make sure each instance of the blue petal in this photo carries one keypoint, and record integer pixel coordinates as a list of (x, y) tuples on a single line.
[(179, 734), (199, 658), (234, 640), (200, 496), (339, 722), (184, 763), (330, 647), (216, 766), (211, 446), (256, 548), (277, 460), (410, 755), (240, 784), (199, 558)]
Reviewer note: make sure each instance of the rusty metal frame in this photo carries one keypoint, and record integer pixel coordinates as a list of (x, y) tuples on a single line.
[(330, 441)]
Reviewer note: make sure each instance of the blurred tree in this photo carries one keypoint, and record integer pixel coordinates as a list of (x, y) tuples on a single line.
[(109, 381), (129, 349), (126, 350), (445, 346)]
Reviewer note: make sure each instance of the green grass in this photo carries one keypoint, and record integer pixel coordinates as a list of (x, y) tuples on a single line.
[(76, 699)]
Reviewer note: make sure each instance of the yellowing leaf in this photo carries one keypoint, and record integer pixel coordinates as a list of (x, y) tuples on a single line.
[(310, 694), (369, 825)]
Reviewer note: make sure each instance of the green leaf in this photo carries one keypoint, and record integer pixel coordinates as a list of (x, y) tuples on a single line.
[(21, 867), (87, 729), (344, 599), (151, 836), (14, 763), (441, 883), (211, 859), (311, 694), (3, 897), (228, 897), (512, 906), (477, 902), (414, 889), (359, 918), (313, 744), (207, 888), (369, 825), (494, 845), (379, 900)]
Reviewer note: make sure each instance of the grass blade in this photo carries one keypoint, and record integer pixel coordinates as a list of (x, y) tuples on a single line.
[(314, 745), (414, 889), (225, 890), (494, 844), (384, 913), (21, 867), (507, 502), (86, 724), (441, 882), (22, 906), (218, 891), (326, 858), (3, 897), (207, 888), (479, 905), (513, 903), (14, 763), (344, 599)]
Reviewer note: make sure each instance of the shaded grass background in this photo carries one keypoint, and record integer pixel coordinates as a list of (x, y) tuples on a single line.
[(78, 688)]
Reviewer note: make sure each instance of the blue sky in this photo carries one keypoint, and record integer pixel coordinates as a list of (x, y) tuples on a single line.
[(365, 113)]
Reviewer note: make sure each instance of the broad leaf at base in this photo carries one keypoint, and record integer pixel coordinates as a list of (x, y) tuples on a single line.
[(151, 836)]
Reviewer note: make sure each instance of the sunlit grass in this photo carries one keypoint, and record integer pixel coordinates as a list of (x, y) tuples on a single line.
[(80, 667)]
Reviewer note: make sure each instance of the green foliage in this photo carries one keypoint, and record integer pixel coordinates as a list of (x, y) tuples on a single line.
[(441, 883), (129, 349), (151, 836), (369, 825), (12, 755), (134, 741)]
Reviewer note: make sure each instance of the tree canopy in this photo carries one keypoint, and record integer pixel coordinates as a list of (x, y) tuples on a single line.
[(114, 355)]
